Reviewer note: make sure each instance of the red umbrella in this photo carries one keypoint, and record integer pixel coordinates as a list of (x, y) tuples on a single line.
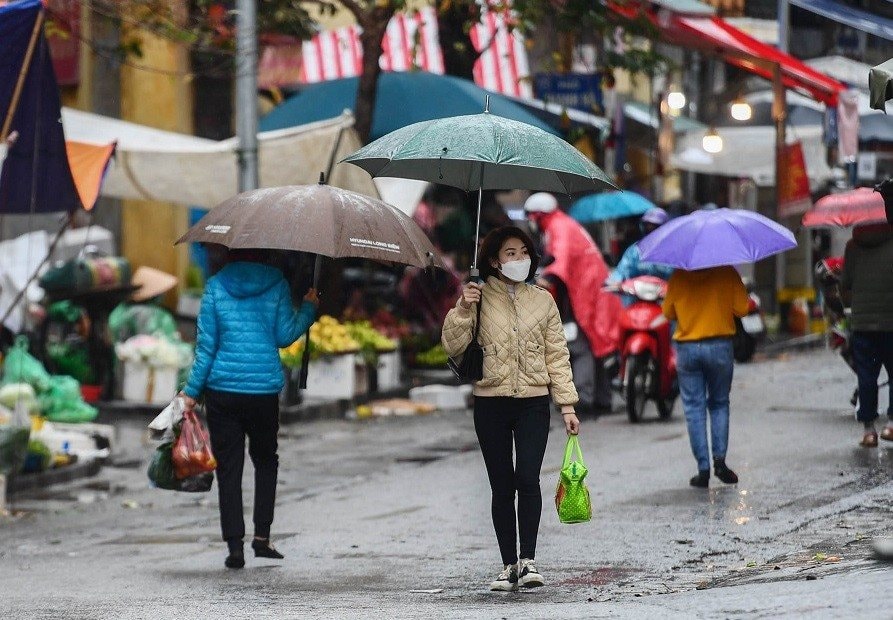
[(852, 208)]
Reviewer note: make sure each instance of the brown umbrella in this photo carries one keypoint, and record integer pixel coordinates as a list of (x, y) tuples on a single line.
[(319, 219)]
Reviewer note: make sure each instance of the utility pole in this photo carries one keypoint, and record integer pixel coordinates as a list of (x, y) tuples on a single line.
[(784, 24), (246, 93)]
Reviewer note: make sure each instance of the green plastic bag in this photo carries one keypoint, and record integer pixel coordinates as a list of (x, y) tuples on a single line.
[(22, 367), (572, 496), (15, 430), (62, 402), (161, 473)]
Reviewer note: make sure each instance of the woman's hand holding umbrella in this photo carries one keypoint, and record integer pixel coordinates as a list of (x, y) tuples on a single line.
[(471, 294), (312, 296)]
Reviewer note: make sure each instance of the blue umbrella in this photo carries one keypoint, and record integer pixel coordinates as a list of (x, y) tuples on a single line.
[(717, 237), (402, 99), (609, 206)]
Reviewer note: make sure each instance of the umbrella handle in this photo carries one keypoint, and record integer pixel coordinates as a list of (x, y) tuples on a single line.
[(305, 354)]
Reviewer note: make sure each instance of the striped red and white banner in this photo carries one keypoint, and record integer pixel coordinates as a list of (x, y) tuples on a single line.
[(503, 67)]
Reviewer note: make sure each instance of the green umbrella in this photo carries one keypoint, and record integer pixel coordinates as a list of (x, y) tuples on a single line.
[(478, 152), (880, 85)]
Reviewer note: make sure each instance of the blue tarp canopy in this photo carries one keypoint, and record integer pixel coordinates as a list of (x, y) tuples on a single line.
[(609, 206), (849, 15), (36, 119), (402, 99)]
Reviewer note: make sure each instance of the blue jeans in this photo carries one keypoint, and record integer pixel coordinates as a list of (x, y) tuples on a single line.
[(705, 370), (871, 350)]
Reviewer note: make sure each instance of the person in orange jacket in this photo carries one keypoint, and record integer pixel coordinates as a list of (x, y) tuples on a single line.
[(704, 303)]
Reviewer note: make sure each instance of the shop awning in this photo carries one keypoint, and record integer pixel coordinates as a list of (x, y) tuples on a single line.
[(851, 16), (151, 164), (713, 35), (749, 152)]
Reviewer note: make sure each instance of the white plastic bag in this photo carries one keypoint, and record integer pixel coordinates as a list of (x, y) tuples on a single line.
[(169, 417)]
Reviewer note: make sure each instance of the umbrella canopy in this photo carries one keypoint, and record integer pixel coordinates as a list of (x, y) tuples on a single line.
[(880, 84), (37, 162), (717, 237), (609, 206), (402, 99), (481, 151), (319, 219), (852, 208)]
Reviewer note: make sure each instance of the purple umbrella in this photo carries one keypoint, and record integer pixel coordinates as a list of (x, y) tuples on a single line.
[(716, 237)]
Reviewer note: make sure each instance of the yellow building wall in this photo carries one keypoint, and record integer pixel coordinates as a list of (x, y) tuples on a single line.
[(156, 91)]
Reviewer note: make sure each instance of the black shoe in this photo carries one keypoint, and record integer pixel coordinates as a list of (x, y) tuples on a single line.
[(235, 559), (263, 549), (702, 480), (723, 472)]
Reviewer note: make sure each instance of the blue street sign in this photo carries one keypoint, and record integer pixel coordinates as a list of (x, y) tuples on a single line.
[(582, 91)]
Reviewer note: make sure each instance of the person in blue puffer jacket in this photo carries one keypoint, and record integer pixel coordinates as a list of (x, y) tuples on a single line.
[(246, 316)]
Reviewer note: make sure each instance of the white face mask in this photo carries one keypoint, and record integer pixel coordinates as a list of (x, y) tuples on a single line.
[(516, 270)]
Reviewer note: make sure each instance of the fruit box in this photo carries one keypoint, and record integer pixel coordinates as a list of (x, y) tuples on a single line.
[(389, 371), (146, 384), (334, 377)]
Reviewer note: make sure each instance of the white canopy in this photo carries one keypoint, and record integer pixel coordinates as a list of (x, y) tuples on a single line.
[(151, 164), (750, 152)]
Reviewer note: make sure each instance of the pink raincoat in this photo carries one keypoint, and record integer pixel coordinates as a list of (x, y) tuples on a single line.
[(580, 266)]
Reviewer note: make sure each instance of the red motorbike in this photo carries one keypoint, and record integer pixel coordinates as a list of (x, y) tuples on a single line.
[(647, 370)]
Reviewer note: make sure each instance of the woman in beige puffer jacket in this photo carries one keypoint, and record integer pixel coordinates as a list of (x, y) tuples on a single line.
[(525, 358)]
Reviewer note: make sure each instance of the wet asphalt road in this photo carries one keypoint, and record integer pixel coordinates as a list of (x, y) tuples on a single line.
[(370, 510)]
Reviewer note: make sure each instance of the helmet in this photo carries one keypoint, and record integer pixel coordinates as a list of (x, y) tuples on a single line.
[(541, 202), (656, 216)]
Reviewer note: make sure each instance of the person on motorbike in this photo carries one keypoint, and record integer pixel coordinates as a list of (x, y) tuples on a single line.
[(574, 271), (631, 264)]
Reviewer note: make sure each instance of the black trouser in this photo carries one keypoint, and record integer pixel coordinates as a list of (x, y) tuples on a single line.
[(498, 421), (231, 417)]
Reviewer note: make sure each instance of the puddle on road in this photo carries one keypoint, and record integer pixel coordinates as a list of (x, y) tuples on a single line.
[(603, 576), (394, 513), (174, 539)]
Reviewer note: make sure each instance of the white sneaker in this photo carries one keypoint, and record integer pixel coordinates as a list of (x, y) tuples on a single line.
[(528, 576), (507, 581)]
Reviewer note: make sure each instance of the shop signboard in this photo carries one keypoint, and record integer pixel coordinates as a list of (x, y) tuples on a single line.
[(64, 38), (581, 91), (793, 192)]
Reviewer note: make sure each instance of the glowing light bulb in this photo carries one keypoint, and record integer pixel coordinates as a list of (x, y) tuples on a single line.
[(741, 110), (712, 142), (676, 100)]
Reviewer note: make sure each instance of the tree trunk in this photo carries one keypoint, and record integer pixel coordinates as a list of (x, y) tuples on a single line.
[(459, 54), (374, 28)]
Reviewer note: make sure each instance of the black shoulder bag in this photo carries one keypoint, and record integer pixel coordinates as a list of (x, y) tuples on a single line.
[(470, 367)]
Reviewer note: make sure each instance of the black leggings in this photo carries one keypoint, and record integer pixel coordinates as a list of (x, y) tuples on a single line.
[(498, 421), (231, 417)]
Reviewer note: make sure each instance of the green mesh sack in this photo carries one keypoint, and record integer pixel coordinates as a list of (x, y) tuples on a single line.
[(572, 497)]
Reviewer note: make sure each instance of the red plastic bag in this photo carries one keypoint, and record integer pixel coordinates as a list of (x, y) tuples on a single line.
[(192, 450)]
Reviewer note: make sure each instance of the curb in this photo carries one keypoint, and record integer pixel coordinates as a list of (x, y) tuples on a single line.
[(333, 410), (29, 482), (801, 343)]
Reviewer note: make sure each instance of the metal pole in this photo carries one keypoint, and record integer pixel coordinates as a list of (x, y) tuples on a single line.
[(784, 24), (779, 115), (246, 93)]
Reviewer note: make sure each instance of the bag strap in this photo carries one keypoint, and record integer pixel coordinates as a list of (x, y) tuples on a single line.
[(573, 445), (477, 323)]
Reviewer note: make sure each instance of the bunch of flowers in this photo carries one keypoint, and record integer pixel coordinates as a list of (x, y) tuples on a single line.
[(157, 351)]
